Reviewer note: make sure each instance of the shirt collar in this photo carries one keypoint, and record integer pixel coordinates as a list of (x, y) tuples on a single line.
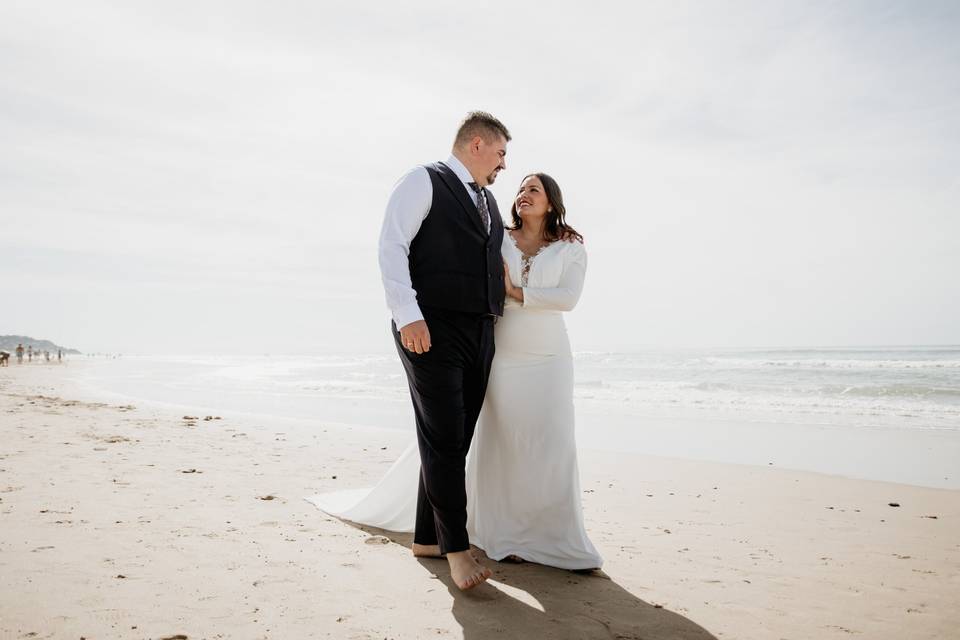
[(458, 168)]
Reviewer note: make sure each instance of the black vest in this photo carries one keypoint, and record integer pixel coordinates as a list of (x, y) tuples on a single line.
[(454, 264)]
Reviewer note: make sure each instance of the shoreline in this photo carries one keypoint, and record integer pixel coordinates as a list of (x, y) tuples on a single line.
[(879, 453), (119, 522)]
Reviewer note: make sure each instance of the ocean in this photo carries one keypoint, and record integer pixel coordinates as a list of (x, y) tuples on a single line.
[(886, 413)]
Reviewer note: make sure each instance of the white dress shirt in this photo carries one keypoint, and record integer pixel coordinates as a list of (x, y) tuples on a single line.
[(407, 208)]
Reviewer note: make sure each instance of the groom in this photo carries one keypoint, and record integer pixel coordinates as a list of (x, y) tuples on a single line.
[(443, 276)]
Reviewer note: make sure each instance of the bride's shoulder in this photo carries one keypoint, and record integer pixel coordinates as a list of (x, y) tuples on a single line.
[(574, 248)]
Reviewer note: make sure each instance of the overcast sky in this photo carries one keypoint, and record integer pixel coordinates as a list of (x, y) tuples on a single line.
[(185, 176)]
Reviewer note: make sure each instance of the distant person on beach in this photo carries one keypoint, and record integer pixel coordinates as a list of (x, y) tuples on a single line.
[(20, 353), (29, 353), (59, 355)]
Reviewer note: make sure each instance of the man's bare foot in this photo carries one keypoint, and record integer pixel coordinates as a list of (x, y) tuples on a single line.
[(427, 550), (466, 571)]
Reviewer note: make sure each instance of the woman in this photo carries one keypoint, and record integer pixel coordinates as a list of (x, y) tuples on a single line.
[(523, 487)]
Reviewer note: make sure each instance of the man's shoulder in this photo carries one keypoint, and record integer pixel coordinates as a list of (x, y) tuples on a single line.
[(421, 171), (415, 176), (438, 167)]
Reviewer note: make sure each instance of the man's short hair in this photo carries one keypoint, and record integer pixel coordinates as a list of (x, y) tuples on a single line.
[(480, 123)]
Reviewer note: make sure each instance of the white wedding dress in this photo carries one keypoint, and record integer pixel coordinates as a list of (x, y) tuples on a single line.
[(523, 483)]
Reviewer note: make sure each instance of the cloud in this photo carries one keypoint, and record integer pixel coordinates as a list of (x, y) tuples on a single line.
[(713, 155)]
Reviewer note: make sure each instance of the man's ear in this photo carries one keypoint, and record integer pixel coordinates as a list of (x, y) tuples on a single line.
[(475, 143)]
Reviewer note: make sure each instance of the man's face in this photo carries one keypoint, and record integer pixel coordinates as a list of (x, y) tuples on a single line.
[(491, 157)]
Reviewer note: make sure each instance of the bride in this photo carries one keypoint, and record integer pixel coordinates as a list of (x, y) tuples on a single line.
[(523, 486)]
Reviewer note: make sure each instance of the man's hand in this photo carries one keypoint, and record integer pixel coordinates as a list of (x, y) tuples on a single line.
[(415, 337), (511, 291)]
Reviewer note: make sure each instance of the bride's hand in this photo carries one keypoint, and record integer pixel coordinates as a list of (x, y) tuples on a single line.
[(512, 292)]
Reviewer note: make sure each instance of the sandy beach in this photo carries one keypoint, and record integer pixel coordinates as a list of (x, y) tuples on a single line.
[(122, 521)]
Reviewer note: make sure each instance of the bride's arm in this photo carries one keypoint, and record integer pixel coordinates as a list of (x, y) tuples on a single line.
[(565, 295)]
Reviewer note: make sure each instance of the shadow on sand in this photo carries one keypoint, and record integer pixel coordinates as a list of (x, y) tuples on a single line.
[(533, 601)]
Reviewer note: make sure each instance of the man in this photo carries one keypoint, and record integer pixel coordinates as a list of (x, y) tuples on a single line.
[(20, 353), (443, 277)]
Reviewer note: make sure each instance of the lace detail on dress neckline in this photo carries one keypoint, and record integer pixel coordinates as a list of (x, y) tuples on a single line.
[(526, 261)]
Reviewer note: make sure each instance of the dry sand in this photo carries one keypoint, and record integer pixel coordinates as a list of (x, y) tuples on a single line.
[(131, 522)]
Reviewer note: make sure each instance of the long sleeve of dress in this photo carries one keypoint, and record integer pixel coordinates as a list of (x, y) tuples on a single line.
[(565, 295)]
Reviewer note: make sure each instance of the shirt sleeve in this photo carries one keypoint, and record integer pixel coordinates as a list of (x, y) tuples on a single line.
[(407, 207), (565, 295)]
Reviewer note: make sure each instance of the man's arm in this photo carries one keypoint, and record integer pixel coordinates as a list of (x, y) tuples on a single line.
[(406, 209)]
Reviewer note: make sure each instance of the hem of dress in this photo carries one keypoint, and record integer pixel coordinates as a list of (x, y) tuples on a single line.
[(546, 561)]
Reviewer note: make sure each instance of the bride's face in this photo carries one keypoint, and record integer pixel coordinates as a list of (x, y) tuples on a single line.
[(531, 201)]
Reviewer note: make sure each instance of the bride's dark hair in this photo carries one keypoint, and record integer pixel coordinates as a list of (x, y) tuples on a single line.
[(555, 226)]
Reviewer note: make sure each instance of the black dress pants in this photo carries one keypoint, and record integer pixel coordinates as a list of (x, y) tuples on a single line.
[(447, 385)]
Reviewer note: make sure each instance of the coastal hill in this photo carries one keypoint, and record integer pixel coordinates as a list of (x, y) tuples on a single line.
[(9, 343)]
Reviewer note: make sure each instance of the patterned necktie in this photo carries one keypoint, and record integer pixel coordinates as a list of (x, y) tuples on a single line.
[(482, 206)]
